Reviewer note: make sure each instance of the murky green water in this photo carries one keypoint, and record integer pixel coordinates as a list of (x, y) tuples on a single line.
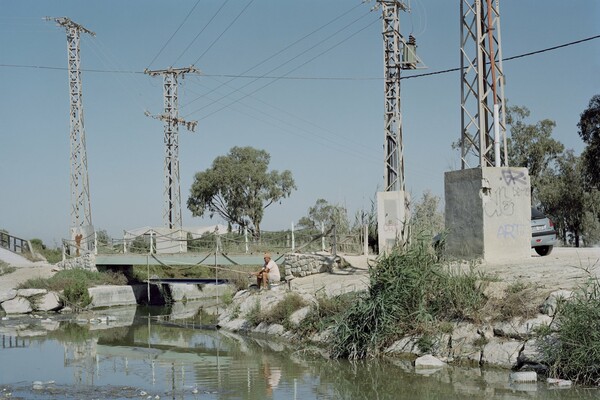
[(138, 357)]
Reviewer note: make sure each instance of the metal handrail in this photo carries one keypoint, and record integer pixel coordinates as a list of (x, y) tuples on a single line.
[(15, 244)]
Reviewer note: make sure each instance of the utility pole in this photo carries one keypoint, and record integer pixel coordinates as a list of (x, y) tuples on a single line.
[(483, 118), (392, 203), (392, 64), (81, 213), (170, 117)]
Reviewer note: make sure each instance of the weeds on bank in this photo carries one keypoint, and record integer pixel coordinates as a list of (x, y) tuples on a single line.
[(571, 345), (6, 269), (74, 284), (279, 314), (409, 289), (324, 312)]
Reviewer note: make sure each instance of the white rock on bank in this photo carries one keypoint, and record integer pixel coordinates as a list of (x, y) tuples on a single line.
[(523, 376), (48, 302), (429, 361), (551, 303), (18, 305), (298, 316), (8, 295), (501, 353)]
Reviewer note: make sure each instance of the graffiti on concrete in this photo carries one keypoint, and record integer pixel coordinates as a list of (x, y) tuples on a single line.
[(511, 231), (500, 204), (514, 177)]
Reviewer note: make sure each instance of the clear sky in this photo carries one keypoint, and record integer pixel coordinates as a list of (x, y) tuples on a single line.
[(328, 131)]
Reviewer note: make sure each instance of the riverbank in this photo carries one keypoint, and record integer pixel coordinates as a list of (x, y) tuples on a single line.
[(501, 342)]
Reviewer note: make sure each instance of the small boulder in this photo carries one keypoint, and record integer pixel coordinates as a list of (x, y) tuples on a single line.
[(18, 305), (298, 316), (8, 295), (48, 302), (429, 361)]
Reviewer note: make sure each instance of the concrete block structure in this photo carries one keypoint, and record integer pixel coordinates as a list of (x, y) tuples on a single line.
[(488, 213), (392, 219)]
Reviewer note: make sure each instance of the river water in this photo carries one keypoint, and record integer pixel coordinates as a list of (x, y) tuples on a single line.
[(140, 356)]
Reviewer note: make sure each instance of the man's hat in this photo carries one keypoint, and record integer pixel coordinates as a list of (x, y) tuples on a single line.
[(267, 255)]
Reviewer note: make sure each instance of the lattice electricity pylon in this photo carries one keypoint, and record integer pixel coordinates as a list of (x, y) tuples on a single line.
[(81, 212), (483, 119), (172, 193), (393, 63)]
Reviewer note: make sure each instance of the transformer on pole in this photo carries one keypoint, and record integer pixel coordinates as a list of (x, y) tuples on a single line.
[(170, 117), (483, 118), (81, 213)]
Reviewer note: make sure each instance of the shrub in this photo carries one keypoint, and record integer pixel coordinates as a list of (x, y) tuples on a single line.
[(323, 313), (77, 295), (409, 290), (64, 279), (281, 312), (6, 269), (572, 349)]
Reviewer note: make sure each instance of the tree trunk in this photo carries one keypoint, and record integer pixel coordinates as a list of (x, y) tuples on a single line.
[(576, 239)]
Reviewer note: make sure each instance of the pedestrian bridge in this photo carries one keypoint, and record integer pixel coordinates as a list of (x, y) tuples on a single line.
[(213, 258)]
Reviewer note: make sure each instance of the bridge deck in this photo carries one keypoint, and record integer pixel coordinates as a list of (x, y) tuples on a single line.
[(179, 259)]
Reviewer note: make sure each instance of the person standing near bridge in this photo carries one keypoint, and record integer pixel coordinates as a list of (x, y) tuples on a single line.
[(268, 273)]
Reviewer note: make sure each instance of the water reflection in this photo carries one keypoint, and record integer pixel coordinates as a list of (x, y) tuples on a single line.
[(129, 353)]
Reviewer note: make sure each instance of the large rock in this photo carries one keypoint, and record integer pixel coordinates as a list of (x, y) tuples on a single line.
[(18, 305), (8, 295), (298, 316), (111, 295), (467, 343), (48, 302), (501, 353)]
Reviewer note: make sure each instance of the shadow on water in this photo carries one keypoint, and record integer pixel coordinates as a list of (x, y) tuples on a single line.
[(145, 352)]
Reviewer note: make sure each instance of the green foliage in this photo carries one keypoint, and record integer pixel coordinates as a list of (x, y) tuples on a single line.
[(69, 278), (531, 146), (51, 255), (141, 244), (254, 316), (239, 187), (572, 349), (77, 295), (6, 269), (328, 215), (281, 312), (324, 312), (426, 219), (589, 130), (408, 290)]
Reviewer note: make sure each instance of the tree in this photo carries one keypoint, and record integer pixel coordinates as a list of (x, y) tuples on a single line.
[(563, 196), (238, 187), (531, 146), (425, 218), (589, 130), (328, 215)]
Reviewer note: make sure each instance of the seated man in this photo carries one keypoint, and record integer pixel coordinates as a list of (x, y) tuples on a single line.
[(268, 273)]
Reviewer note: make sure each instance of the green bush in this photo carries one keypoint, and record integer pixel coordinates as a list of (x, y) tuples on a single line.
[(67, 278), (572, 348), (281, 312), (77, 295), (409, 291), (6, 269), (323, 313)]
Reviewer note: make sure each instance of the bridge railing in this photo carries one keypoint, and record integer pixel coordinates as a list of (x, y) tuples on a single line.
[(15, 244), (179, 241)]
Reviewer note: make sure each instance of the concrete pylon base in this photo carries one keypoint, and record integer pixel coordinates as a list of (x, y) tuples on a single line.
[(392, 219), (488, 213)]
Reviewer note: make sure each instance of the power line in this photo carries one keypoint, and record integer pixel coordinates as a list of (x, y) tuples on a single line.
[(201, 30), (222, 33), (331, 78), (233, 77), (174, 33), (298, 55)]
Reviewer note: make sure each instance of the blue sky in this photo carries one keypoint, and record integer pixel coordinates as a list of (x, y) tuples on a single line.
[(328, 132)]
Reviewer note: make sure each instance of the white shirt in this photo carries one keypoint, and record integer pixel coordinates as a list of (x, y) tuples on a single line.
[(273, 271)]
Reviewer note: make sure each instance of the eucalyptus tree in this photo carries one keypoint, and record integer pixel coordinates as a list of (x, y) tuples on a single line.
[(239, 187)]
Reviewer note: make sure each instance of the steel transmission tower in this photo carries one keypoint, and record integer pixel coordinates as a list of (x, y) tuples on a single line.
[(170, 117), (483, 119), (81, 212), (392, 62)]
